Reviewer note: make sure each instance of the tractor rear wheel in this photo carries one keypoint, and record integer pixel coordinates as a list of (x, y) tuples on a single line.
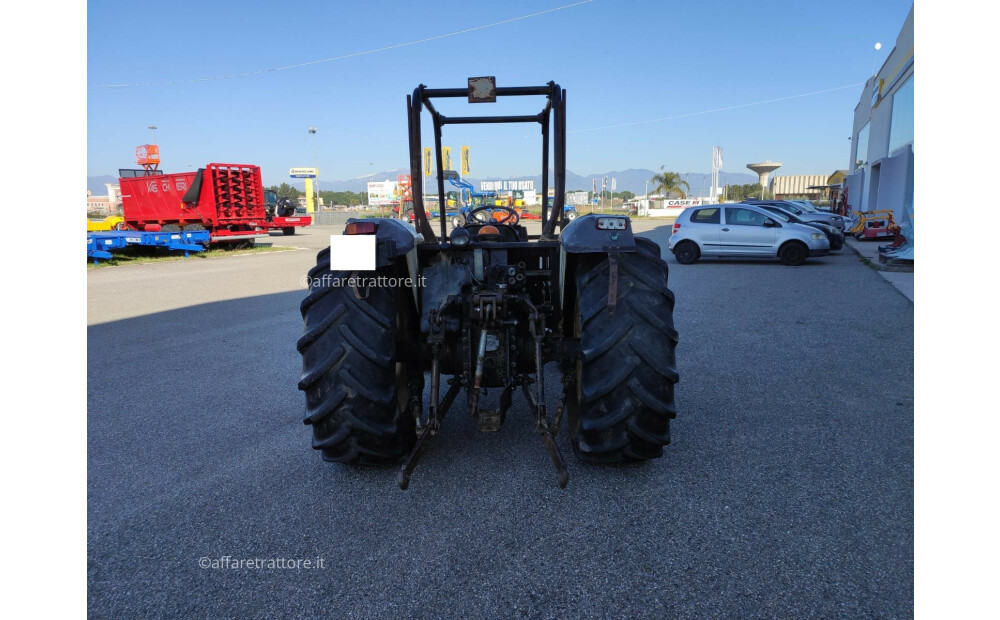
[(623, 401), (357, 393)]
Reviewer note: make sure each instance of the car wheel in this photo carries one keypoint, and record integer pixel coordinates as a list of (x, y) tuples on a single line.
[(793, 253), (686, 252)]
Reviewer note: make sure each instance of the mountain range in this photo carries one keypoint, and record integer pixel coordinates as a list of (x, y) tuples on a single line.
[(633, 180)]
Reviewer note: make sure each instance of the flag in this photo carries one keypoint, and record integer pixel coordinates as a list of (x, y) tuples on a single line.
[(717, 157), (465, 160), (614, 184), (446, 158), (427, 161)]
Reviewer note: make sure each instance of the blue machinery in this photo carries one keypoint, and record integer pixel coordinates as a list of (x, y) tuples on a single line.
[(101, 244)]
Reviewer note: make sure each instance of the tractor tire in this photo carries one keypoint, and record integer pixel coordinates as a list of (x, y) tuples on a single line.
[(288, 231), (793, 253), (623, 400), (570, 216), (357, 395), (170, 228)]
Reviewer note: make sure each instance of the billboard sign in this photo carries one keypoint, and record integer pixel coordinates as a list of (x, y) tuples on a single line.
[(383, 192), (303, 173)]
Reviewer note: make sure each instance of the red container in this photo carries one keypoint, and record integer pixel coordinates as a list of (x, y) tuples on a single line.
[(226, 199)]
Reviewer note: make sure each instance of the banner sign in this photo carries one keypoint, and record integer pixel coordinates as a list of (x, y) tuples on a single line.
[(506, 186), (383, 192), (303, 173)]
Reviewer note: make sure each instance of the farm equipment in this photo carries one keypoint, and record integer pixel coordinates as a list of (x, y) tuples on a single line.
[(492, 308), (873, 225), (467, 199), (228, 200), (112, 222)]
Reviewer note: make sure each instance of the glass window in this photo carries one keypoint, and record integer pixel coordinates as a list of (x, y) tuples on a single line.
[(744, 217), (777, 213), (901, 127), (861, 141), (705, 216)]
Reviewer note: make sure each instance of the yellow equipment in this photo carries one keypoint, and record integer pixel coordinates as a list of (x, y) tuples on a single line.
[(112, 222)]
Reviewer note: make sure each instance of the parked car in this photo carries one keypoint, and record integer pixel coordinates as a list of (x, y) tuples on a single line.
[(805, 212), (834, 234), (742, 230)]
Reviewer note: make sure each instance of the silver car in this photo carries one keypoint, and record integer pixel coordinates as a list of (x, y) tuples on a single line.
[(742, 230), (806, 211)]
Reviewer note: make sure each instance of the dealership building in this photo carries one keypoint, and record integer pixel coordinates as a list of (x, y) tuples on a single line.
[(881, 164)]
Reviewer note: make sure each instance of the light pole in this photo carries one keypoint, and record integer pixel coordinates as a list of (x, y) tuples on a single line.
[(153, 129), (312, 132), (878, 46)]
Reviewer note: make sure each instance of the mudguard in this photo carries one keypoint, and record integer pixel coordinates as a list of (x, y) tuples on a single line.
[(394, 238), (582, 236)]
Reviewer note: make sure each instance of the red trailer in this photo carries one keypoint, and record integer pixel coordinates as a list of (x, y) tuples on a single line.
[(225, 199)]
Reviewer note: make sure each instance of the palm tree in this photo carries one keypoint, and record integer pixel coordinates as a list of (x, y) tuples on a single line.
[(669, 182)]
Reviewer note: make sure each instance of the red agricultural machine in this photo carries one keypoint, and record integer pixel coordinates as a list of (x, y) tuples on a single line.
[(228, 200)]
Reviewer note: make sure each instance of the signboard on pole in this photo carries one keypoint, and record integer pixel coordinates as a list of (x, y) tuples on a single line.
[(383, 192), (303, 173)]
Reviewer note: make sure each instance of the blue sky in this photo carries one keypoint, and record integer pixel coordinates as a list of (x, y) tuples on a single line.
[(701, 67)]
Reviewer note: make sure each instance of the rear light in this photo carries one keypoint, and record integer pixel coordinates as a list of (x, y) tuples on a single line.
[(612, 223), (360, 228), (676, 228)]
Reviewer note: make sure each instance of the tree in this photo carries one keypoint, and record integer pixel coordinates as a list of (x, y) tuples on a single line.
[(669, 183), (286, 191)]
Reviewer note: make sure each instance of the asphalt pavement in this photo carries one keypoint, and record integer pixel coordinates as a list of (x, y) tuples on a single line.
[(787, 491)]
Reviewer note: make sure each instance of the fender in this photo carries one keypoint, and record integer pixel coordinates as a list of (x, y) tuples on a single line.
[(582, 236), (393, 239)]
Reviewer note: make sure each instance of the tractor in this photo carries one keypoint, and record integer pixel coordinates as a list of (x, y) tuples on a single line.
[(481, 310)]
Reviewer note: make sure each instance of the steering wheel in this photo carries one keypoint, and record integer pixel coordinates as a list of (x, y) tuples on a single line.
[(511, 218)]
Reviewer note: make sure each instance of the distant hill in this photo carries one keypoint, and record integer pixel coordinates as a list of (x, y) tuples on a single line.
[(632, 180)]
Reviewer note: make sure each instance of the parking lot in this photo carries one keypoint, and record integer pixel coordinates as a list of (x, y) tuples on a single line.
[(787, 490)]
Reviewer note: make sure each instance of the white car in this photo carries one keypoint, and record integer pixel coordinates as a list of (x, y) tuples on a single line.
[(735, 230)]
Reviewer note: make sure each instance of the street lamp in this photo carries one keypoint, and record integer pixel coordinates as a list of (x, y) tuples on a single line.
[(371, 177), (153, 129), (878, 46), (312, 132)]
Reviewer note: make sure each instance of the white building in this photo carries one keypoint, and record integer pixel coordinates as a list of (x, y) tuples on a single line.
[(881, 164)]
